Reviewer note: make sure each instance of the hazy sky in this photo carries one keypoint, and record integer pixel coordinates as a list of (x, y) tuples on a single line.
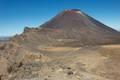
[(16, 14)]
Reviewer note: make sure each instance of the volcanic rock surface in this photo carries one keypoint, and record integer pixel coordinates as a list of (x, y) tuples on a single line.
[(70, 46)]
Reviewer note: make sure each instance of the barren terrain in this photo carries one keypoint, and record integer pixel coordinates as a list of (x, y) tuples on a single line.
[(64, 63)]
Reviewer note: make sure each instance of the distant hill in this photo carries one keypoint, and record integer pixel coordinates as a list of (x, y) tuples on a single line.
[(2, 39)]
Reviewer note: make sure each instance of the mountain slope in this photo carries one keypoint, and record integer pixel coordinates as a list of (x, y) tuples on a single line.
[(71, 28)]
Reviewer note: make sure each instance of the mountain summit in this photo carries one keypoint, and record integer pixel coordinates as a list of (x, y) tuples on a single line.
[(71, 28)]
